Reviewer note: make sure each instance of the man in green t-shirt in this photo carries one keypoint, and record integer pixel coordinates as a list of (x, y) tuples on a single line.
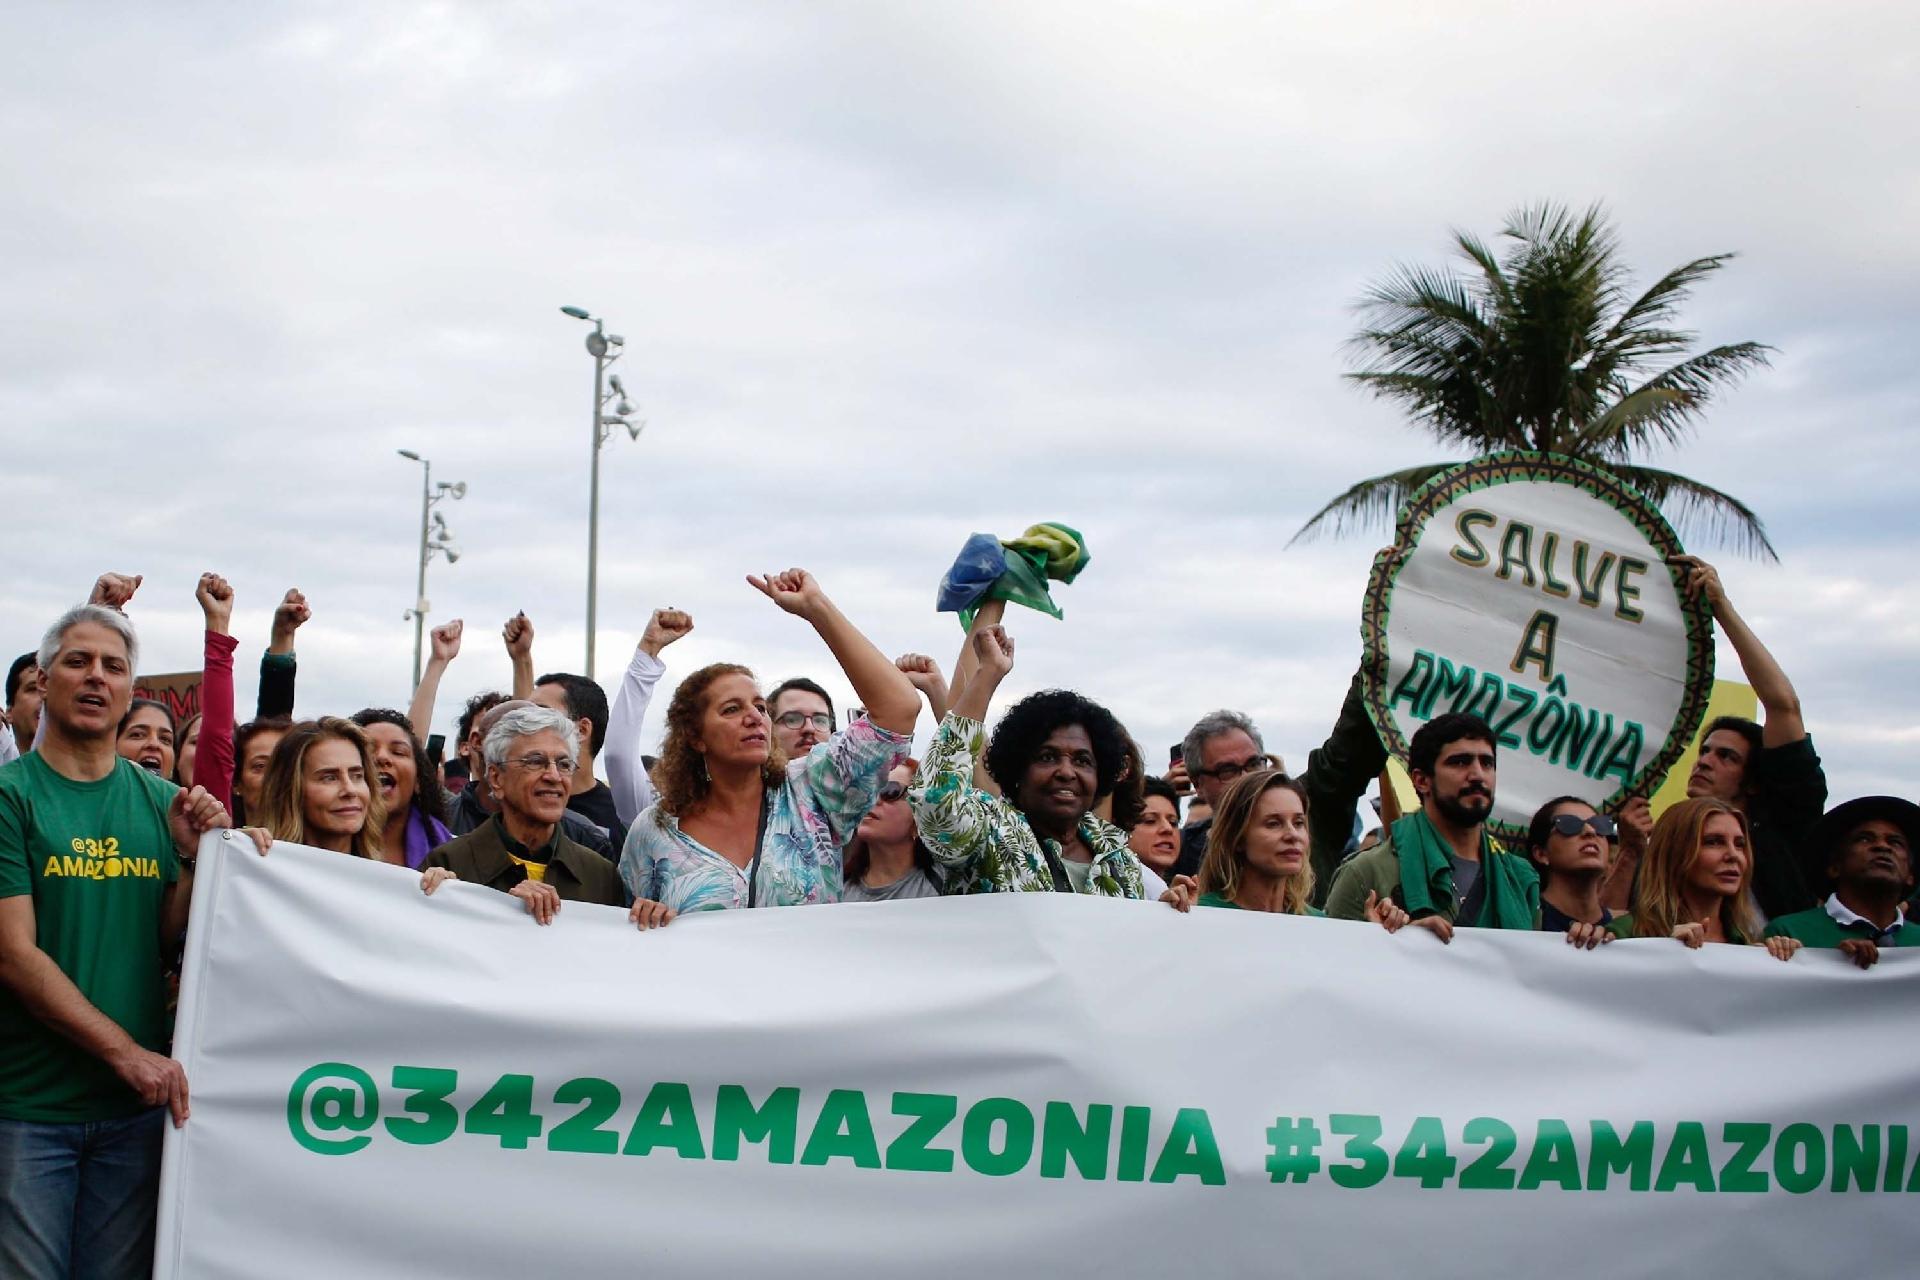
[(1863, 851), (95, 877)]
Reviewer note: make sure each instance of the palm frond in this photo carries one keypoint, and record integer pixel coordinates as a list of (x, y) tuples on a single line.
[(1659, 303), (1368, 504), (1697, 508), (1639, 420)]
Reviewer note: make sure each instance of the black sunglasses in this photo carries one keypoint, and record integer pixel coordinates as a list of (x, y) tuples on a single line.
[(1570, 824), (891, 790)]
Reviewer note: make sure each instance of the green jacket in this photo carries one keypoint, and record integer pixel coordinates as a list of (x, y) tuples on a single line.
[(1622, 926), (577, 873), (1377, 870), (1815, 928), (1215, 900)]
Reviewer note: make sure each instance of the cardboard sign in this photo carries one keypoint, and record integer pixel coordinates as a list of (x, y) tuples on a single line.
[(1533, 590), (180, 691)]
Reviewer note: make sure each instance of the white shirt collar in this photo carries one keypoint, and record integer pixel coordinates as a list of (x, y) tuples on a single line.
[(1844, 915)]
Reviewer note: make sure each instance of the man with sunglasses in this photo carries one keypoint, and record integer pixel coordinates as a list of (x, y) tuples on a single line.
[(530, 755), (1224, 746), (802, 716)]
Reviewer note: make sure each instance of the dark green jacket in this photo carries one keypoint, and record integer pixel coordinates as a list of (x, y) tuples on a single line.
[(1815, 928), (1378, 870), (576, 873)]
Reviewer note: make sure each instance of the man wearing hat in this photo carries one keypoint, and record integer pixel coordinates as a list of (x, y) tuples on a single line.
[(1864, 851)]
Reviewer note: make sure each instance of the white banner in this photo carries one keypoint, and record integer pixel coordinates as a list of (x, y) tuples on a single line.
[(385, 1084)]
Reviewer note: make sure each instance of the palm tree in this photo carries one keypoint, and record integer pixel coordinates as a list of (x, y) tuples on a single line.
[(1542, 349)]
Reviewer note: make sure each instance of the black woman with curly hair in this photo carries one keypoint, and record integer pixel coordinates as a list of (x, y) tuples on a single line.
[(1054, 755)]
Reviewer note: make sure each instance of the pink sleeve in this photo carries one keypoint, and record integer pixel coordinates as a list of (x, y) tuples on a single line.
[(213, 759)]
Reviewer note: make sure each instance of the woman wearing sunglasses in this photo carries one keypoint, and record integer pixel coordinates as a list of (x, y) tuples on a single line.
[(1573, 847), (885, 861)]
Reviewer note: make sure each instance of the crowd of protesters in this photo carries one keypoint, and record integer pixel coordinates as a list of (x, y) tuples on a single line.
[(759, 799)]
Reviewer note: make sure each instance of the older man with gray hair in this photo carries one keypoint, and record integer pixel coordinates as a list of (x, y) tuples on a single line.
[(1224, 746), (530, 753)]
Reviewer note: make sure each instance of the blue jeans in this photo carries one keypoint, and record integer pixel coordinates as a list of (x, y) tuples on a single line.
[(77, 1201)]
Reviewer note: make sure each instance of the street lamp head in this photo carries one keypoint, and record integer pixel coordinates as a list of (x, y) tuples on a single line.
[(623, 408), (578, 313), (634, 429), (614, 382), (408, 453), (453, 555), (457, 490), (596, 345), (615, 340)]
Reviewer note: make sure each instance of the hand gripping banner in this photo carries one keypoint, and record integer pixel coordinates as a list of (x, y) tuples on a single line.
[(390, 1085), (1533, 591)]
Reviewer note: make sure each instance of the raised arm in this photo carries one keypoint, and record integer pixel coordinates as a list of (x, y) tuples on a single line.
[(1338, 772), (1782, 722), (278, 666), (213, 760), (445, 642), (965, 664), (954, 817), (923, 673), (625, 762), (518, 634), (883, 690)]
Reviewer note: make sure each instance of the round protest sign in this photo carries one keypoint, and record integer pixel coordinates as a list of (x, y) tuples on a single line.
[(1533, 590)]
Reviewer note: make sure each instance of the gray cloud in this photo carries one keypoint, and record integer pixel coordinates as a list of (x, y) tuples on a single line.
[(889, 275)]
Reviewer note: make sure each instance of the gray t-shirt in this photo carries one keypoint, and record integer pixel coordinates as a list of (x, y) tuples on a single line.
[(1466, 884), (915, 884)]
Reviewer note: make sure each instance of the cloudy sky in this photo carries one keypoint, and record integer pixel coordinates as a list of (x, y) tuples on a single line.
[(892, 273)]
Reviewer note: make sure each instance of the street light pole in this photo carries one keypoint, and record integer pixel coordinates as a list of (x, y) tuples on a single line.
[(605, 348), (420, 587), (599, 350), (432, 538)]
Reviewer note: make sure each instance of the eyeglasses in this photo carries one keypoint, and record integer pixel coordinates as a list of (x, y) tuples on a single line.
[(538, 763), (1228, 772), (795, 719), (1571, 824), (890, 791)]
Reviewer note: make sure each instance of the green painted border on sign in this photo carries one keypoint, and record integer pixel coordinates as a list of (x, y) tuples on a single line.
[(1502, 468)]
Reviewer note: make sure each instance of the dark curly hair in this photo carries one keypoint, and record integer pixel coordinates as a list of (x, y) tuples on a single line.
[(429, 797), (681, 774), (1018, 737)]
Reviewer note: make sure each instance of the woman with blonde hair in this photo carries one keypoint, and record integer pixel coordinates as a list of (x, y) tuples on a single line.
[(320, 791), (1694, 881), (1257, 853)]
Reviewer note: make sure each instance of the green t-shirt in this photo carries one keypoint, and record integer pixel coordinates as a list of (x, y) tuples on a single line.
[(1215, 900), (96, 858)]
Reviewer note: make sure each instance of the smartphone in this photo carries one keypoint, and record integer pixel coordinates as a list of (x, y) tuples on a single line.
[(1178, 753), (436, 747)]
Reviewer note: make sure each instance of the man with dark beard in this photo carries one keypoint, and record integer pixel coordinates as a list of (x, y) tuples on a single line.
[(1438, 863)]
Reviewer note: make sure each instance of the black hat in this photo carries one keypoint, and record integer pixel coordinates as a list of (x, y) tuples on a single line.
[(1830, 833)]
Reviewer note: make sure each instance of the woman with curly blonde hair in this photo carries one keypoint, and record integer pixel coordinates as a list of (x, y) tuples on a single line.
[(1694, 881), (320, 789), (739, 825), (1257, 853)]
